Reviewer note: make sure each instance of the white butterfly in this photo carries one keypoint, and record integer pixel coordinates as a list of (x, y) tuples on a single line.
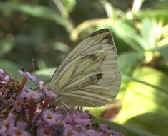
[(89, 76)]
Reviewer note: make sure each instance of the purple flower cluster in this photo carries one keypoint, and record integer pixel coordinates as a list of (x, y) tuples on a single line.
[(33, 112)]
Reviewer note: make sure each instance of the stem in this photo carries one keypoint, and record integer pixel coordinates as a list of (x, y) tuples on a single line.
[(136, 5), (24, 80)]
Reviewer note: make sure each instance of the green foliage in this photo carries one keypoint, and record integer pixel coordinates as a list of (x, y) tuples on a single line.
[(163, 52), (9, 66), (128, 33), (47, 30), (148, 99), (69, 4), (126, 130), (159, 14), (5, 47), (146, 122), (36, 11), (45, 74), (128, 62)]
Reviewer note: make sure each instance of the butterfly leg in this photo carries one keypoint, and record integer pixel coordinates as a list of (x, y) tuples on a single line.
[(79, 108)]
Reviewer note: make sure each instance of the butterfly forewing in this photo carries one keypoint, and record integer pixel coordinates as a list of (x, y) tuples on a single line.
[(89, 76)]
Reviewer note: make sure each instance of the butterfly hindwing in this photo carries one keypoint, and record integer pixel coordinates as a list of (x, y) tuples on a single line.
[(89, 76)]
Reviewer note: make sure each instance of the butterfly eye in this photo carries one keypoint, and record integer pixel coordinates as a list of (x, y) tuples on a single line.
[(96, 77)]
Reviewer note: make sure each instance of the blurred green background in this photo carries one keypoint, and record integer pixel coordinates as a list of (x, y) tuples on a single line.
[(36, 35)]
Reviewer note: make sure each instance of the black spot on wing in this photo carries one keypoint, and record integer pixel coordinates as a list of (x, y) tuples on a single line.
[(99, 76)]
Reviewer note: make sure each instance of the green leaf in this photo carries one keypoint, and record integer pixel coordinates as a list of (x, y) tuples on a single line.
[(164, 52), (128, 61), (128, 34), (5, 47), (12, 69), (160, 14), (153, 122), (44, 74), (34, 10), (69, 4), (96, 111), (161, 5), (145, 83), (142, 98), (147, 34), (124, 129), (9, 67)]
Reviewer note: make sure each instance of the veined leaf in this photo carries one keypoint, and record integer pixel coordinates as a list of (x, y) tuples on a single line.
[(142, 98)]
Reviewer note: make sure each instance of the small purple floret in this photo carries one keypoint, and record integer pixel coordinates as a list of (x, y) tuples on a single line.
[(31, 77), (41, 84), (35, 112)]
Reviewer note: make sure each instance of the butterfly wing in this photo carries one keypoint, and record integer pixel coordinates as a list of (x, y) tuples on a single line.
[(89, 76)]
